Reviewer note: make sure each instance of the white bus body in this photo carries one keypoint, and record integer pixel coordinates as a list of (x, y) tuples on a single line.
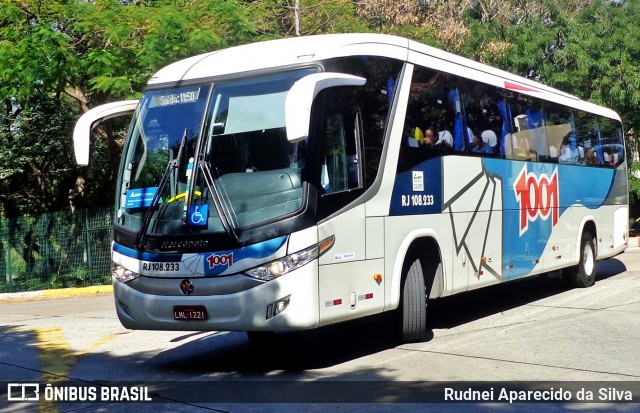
[(292, 184)]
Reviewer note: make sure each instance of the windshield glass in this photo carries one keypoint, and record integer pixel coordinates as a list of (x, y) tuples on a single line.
[(226, 137)]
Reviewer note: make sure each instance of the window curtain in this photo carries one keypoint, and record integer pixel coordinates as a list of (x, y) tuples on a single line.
[(534, 123), (458, 131), (505, 114)]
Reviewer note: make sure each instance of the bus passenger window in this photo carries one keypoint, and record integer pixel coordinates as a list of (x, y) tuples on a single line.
[(611, 141), (564, 146), (529, 137), (586, 128), (483, 107), (434, 108)]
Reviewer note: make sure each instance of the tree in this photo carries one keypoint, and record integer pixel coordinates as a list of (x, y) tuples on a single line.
[(435, 22), (36, 165), (66, 56), (91, 52), (284, 18)]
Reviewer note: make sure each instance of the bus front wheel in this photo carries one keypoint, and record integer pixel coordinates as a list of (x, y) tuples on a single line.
[(413, 303), (584, 275)]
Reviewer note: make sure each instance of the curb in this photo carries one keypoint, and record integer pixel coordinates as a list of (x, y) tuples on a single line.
[(58, 293)]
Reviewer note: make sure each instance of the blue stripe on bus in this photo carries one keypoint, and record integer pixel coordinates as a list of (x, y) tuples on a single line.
[(145, 256), (215, 262)]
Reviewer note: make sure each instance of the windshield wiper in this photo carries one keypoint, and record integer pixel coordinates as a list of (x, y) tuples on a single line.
[(178, 158), (201, 167), (173, 164), (223, 211)]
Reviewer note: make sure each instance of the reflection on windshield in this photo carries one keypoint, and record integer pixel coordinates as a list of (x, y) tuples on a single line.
[(255, 169), (163, 119)]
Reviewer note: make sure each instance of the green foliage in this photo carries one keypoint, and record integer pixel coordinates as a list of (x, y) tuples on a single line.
[(55, 250), (591, 50), (634, 186), (59, 58), (36, 162), (87, 52)]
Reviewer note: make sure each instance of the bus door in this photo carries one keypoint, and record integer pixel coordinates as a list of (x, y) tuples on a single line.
[(348, 285)]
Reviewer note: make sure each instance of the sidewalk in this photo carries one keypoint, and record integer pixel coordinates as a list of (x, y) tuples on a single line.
[(57, 293)]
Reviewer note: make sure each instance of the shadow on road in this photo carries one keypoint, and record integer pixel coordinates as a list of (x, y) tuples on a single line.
[(294, 352), (287, 353), (290, 358), (471, 306), (609, 268)]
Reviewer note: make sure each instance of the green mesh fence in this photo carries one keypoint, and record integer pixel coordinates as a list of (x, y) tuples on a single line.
[(56, 250)]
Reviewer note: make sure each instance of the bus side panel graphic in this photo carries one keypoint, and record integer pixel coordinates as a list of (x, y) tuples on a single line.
[(418, 191), (535, 197), (526, 199)]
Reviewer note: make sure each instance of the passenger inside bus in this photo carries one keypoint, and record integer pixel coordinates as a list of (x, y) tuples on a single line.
[(521, 148), (567, 154), (479, 145), (590, 157), (445, 139), (429, 138), (490, 140)]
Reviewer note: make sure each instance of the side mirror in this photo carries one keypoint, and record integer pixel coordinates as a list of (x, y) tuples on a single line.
[(82, 130), (297, 107)]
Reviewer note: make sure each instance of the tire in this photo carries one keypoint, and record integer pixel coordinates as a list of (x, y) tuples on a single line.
[(584, 275), (413, 304)]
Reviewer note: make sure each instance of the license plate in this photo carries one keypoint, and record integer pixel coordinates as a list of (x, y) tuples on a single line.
[(190, 313)]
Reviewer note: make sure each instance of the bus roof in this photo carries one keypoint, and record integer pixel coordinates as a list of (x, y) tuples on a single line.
[(308, 49), (278, 53)]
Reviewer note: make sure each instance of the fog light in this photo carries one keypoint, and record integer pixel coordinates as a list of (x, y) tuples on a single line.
[(277, 307), (125, 308)]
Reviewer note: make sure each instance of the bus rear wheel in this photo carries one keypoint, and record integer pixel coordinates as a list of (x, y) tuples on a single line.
[(584, 275), (413, 303)]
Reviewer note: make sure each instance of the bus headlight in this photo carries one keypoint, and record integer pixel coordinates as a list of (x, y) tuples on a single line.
[(275, 269), (122, 274)]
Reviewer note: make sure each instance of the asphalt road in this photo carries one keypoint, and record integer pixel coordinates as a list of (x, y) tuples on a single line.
[(534, 330)]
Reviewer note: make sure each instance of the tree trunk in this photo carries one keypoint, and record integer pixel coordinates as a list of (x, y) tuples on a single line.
[(296, 16)]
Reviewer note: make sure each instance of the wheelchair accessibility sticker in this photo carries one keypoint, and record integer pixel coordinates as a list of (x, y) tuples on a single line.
[(198, 215)]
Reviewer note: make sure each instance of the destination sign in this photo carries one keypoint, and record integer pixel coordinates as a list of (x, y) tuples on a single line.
[(177, 98)]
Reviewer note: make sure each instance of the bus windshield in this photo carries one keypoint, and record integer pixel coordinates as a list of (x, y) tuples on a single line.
[(203, 157)]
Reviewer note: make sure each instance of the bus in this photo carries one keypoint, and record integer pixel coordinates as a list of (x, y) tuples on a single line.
[(296, 183)]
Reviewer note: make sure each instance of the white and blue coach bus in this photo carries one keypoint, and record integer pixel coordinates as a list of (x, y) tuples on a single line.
[(301, 182)]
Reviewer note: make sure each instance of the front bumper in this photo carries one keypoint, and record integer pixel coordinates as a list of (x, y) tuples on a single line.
[(240, 311)]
